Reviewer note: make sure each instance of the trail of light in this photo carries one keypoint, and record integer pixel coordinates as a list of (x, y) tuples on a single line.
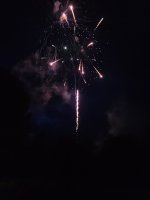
[(71, 8), (100, 75), (84, 81), (64, 18), (90, 44), (52, 63), (99, 23), (77, 110), (80, 65), (55, 52), (83, 72)]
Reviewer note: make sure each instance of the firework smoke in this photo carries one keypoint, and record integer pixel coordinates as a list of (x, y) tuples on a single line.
[(56, 6)]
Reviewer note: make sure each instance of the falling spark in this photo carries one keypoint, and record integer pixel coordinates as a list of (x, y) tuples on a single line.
[(77, 110), (90, 44), (71, 8), (55, 52), (64, 18), (65, 84), (52, 63), (80, 65), (83, 72), (100, 75), (84, 81), (99, 23)]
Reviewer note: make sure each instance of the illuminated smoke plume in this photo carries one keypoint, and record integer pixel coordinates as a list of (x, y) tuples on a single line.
[(57, 5)]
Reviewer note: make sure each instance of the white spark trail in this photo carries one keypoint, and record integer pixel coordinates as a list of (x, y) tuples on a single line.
[(71, 8), (80, 65), (77, 110), (52, 63), (64, 18), (98, 24), (83, 72), (100, 75), (90, 44)]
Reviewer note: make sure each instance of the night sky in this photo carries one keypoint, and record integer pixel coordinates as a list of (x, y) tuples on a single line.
[(40, 154)]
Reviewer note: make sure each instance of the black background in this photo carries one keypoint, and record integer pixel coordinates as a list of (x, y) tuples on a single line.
[(54, 162)]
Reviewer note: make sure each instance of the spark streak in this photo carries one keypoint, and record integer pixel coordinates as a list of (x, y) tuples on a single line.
[(77, 110), (100, 75), (80, 65), (84, 81), (90, 44), (83, 72), (98, 24), (71, 8), (55, 51), (75, 46), (52, 63), (64, 18)]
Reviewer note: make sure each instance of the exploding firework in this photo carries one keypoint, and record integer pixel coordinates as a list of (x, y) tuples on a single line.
[(72, 47)]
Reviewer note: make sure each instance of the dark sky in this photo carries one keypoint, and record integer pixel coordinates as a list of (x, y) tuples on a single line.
[(114, 134)]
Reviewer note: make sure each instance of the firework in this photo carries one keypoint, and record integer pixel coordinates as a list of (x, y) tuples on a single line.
[(72, 46)]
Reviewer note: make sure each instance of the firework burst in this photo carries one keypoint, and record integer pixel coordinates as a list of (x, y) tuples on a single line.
[(74, 44)]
